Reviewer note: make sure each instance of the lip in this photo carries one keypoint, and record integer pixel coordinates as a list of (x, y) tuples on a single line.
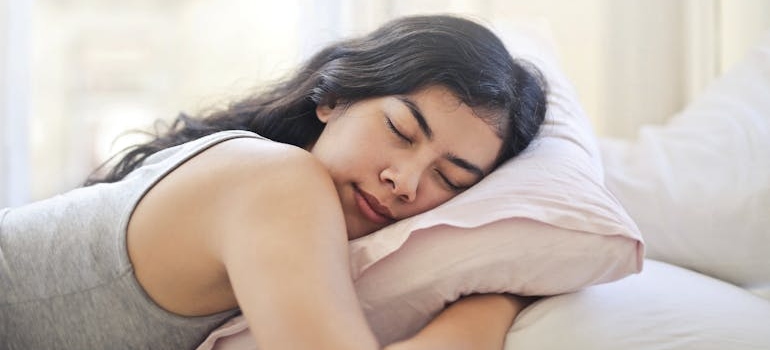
[(371, 208)]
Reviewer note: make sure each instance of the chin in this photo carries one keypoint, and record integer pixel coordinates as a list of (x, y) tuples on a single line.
[(356, 234)]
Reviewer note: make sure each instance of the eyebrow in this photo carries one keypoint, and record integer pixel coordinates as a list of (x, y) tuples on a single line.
[(417, 114), (428, 132), (465, 165)]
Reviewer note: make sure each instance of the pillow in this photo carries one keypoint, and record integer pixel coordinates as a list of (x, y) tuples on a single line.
[(699, 187), (541, 224), (663, 308)]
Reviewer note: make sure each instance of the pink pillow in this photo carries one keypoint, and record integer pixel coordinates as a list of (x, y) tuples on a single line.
[(542, 224)]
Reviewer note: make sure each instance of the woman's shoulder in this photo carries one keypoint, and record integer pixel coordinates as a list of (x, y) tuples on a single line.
[(240, 172), (240, 169), (252, 159), (237, 185)]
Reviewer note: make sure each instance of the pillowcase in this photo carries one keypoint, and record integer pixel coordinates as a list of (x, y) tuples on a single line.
[(699, 186), (663, 308)]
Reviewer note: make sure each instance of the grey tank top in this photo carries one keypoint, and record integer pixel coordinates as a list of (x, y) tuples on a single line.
[(66, 281)]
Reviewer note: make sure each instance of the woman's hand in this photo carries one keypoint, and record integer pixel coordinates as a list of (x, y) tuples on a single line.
[(475, 322)]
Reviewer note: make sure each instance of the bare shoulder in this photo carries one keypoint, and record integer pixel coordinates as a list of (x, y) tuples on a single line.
[(237, 185), (245, 177), (236, 171), (258, 160)]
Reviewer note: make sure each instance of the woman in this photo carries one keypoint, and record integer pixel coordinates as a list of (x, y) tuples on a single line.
[(249, 212)]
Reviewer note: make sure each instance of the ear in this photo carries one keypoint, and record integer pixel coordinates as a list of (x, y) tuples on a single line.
[(324, 112)]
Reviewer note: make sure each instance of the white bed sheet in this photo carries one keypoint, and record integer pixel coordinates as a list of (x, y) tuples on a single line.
[(663, 308)]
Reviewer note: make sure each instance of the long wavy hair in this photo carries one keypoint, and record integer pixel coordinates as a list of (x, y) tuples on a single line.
[(401, 57)]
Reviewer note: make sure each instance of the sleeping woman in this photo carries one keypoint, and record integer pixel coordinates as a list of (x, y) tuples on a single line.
[(249, 209)]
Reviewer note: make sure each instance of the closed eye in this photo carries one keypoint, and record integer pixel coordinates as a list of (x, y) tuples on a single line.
[(451, 185), (395, 131)]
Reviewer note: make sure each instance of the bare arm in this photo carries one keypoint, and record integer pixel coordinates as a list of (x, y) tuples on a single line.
[(476, 322), (265, 228), (286, 257)]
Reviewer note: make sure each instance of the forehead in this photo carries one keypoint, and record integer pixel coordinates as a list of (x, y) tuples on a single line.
[(439, 97), (457, 129)]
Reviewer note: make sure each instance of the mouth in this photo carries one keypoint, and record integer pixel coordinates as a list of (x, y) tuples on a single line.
[(371, 208)]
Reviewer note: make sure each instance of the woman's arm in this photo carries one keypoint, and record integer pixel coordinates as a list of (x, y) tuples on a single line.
[(475, 322), (286, 256), (256, 225)]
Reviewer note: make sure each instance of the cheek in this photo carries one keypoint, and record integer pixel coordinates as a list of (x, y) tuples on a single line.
[(430, 195), (347, 159)]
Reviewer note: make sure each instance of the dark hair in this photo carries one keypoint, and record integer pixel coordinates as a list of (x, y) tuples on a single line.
[(400, 57)]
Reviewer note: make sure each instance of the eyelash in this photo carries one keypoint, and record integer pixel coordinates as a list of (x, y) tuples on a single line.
[(395, 131), (449, 184)]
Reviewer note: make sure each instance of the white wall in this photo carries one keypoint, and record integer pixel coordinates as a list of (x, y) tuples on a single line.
[(644, 65), (743, 22)]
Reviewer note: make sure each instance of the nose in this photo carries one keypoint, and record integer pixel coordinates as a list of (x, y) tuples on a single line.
[(403, 181)]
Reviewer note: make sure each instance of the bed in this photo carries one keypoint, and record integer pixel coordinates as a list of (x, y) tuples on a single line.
[(660, 242)]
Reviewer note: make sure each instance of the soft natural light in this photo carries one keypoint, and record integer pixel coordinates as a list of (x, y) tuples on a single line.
[(79, 62)]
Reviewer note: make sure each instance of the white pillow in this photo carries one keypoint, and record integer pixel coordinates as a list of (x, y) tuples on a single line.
[(699, 187), (663, 308), (543, 223)]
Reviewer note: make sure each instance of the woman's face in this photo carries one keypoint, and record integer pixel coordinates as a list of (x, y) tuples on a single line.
[(396, 156)]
